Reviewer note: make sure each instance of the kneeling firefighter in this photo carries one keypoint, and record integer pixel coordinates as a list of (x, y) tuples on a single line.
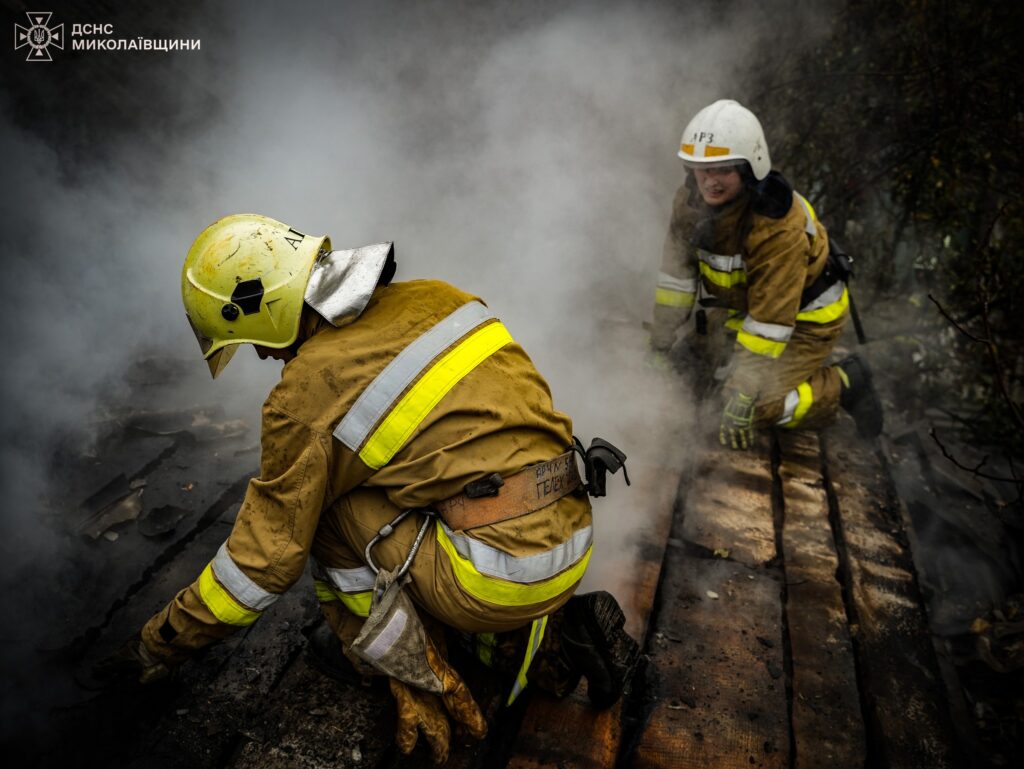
[(753, 256), (412, 450)]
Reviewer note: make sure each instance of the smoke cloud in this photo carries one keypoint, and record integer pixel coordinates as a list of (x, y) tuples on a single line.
[(522, 151)]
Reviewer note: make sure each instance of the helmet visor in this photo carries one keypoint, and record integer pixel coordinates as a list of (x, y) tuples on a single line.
[(218, 360)]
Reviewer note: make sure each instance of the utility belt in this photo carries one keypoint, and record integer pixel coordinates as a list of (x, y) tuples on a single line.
[(494, 499)]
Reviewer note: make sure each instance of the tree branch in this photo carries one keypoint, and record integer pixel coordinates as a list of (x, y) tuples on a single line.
[(976, 470)]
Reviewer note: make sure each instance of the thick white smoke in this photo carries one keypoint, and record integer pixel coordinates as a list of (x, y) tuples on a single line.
[(523, 151)]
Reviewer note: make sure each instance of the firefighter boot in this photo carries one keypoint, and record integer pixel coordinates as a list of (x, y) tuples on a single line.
[(594, 643), (859, 396)]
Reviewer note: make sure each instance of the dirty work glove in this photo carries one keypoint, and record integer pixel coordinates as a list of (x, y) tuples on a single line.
[(132, 660), (420, 711), (737, 427), (394, 642)]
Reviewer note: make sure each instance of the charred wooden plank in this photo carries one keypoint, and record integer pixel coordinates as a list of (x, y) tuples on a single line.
[(907, 721), (828, 730), (718, 687), (729, 508)]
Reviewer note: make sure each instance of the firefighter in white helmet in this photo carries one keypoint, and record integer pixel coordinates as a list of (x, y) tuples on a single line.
[(747, 258), (412, 453)]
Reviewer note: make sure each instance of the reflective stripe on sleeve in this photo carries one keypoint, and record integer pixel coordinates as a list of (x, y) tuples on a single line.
[(722, 270), (221, 603), (796, 405), (686, 285), (828, 307), (383, 391), (667, 298), (675, 292), (243, 590), (496, 577)]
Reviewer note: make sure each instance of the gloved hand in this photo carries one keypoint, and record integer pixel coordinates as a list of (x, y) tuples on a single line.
[(737, 427), (421, 711), (132, 660)]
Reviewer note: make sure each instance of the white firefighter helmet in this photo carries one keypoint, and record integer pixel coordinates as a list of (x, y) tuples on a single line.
[(725, 133)]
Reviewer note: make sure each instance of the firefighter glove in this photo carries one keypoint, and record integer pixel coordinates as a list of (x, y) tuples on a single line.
[(420, 712), (737, 427)]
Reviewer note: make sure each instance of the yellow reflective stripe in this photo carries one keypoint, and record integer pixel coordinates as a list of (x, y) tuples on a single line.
[(503, 593), (735, 322), (759, 345), (670, 298), (221, 603), (714, 152), (687, 148), (412, 409), (723, 279), (806, 400), (324, 594), (829, 312), (532, 645), (357, 603)]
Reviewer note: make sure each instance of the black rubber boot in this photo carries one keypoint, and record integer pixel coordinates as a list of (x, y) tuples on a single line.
[(860, 398), (595, 644)]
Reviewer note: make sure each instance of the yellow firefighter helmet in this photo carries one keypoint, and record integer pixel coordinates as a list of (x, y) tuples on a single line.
[(243, 281)]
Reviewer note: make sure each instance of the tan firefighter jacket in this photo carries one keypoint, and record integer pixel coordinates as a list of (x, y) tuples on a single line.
[(754, 265), (423, 393)]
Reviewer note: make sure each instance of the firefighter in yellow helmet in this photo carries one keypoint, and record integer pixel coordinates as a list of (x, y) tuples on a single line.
[(747, 258), (412, 453)]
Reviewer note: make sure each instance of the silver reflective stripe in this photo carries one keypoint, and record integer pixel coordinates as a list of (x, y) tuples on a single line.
[(383, 391), (687, 285), (525, 568), (357, 580), (721, 262), (792, 400), (773, 331), (242, 589), (833, 294), (809, 227)]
